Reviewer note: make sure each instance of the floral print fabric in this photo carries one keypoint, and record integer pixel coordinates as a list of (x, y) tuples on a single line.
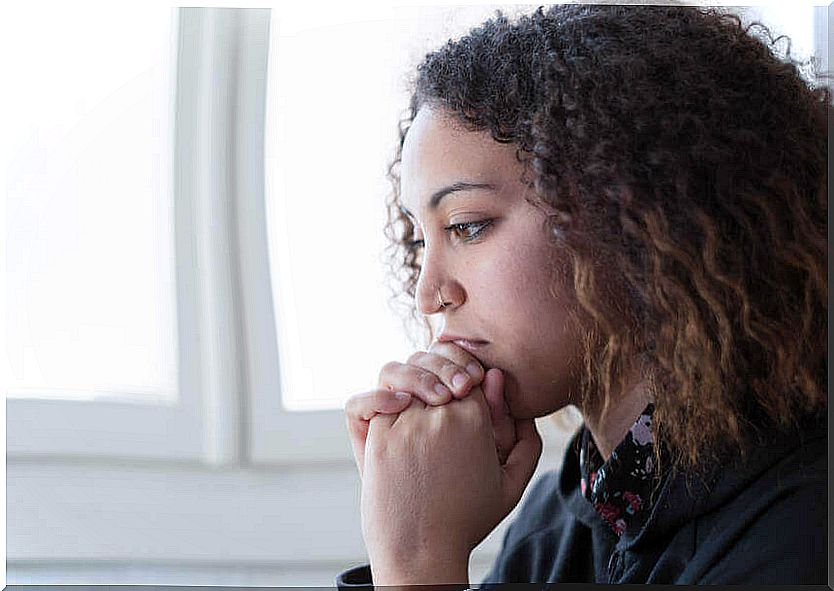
[(620, 489)]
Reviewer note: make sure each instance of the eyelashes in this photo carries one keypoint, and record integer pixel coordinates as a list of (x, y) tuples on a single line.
[(477, 228), (465, 232)]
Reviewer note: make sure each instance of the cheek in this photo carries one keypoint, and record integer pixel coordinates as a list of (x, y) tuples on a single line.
[(512, 271), (515, 286), (538, 347), (536, 304)]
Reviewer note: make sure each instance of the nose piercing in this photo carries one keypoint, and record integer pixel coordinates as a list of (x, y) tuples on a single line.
[(440, 298)]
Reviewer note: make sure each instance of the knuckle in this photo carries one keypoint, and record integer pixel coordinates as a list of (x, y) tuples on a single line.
[(449, 369), (354, 401), (373, 401), (448, 350), (378, 397), (389, 368), (428, 380), (416, 357), (358, 405), (464, 360)]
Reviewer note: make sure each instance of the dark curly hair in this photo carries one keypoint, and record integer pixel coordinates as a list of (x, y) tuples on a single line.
[(683, 160)]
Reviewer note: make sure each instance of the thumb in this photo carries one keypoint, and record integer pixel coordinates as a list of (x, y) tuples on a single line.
[(523, 458)]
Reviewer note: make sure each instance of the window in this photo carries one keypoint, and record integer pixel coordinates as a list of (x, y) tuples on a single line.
[(91, 284), (92, 334), (337, 89)]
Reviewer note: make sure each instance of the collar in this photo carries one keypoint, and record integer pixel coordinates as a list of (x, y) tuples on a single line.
[(620, 488), (679, 497)]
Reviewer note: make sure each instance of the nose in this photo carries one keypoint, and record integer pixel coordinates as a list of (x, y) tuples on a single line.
[(429, 290), (428, 302)]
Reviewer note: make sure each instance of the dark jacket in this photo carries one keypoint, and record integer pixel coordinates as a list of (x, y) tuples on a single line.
[(759, 521)]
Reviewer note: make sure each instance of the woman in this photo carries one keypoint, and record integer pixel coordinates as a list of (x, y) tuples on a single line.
[(624, 210)]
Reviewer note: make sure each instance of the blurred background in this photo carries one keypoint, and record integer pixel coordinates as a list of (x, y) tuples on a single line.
[(194, 280)]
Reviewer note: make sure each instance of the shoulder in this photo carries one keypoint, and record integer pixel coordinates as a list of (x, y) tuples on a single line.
[(786, 543), (775, 529)]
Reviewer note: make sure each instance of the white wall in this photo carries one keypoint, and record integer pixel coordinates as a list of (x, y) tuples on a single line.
[(87, 522)]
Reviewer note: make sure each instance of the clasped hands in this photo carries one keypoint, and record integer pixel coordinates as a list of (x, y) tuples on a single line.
[(440, 468)]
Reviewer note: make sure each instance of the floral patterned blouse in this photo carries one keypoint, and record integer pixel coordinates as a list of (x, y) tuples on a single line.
[(620, 489)]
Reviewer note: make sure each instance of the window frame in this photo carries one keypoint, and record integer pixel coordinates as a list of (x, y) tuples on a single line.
[(227, 353)]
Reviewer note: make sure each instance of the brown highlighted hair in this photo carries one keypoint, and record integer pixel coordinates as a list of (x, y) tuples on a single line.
[(682, 159)]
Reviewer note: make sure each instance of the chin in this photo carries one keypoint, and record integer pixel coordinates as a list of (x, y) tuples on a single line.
[(528, 402), (520, 412), (519, 399)]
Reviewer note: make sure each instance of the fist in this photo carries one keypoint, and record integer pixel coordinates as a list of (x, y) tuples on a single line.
[(435, 377)]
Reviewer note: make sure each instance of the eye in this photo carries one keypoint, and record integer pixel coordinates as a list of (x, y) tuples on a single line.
[(411, 244), (465, 231), (415, 244), (469, 231)]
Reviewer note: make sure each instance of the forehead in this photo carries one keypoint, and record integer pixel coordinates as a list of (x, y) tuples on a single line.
[(439, 153)]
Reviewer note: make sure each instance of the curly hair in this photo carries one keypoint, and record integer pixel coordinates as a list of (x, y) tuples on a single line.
[(683, 160)]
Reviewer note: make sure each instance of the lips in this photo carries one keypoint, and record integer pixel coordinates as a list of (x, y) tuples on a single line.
[(465, 342), (469, 345)]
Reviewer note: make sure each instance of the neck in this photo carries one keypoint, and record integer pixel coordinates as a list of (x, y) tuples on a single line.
[(608, 430)]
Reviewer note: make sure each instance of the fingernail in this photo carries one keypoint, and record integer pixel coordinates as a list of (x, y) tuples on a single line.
[(459, 380), (474, 370), (402, 395), (441, 390)]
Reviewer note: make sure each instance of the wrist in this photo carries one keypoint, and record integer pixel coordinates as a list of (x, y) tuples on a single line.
[(447, 574)]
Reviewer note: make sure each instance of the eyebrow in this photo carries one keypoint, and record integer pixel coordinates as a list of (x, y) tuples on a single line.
[(459, 186)]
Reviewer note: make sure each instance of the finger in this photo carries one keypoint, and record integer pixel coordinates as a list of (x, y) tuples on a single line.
[(420, 382), (503, 425), (456, 378), (463, 358), (521, 463), (361, 408)]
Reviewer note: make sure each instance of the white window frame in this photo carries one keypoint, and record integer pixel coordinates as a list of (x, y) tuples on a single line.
[(74, 466), (227, 349), (100, 427)]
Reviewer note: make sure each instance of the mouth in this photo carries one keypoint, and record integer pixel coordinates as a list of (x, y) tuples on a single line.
[(468, 344), (471, 346)]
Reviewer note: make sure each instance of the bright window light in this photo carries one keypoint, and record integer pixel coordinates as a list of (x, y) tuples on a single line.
[(90, 258), (336, 92)]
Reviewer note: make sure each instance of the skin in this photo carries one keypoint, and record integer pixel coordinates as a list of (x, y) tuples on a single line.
[(497, 287), (484, 281)]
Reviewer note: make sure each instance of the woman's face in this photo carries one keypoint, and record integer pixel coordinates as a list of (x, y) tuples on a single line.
[(495, 270)]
